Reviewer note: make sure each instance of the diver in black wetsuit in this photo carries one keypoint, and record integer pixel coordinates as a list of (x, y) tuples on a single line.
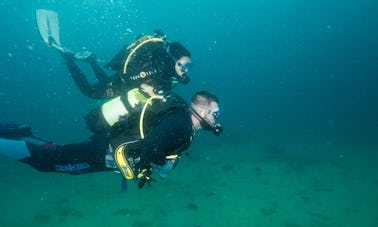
[(151, 60), (147, 67), (153, 138)]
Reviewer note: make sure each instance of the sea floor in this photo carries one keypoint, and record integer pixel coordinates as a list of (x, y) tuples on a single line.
[(295, 185)]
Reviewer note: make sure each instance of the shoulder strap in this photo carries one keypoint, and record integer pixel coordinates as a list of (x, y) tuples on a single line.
[(158, 105)]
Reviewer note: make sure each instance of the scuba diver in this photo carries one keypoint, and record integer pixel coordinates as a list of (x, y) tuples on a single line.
[(150, 65), (150, 140), (150, 59)]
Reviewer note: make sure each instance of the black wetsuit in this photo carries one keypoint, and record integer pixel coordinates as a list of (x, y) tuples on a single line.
[(169, 132), (152, 65), (84, 157)]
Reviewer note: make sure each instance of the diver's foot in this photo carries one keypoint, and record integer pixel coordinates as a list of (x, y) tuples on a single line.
[(85, 56), (68, 56), (62, 50), (52, 41), (14, 131)]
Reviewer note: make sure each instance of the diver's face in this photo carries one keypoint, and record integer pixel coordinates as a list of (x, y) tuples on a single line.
[(209, 113), (182, 65), (212, 114)]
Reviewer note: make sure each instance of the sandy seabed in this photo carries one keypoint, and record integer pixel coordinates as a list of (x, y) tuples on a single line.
[(290, 185)]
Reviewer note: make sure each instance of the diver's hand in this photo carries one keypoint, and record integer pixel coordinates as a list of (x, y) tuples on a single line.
[(164, 170), (145, 177)]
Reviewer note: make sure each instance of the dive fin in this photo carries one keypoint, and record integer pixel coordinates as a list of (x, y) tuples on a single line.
[(48, 25)]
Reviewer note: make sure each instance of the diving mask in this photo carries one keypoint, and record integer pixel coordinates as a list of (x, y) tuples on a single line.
[(184, 67)]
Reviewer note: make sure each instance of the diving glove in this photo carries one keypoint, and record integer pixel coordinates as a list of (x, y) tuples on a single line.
[(164, 170), (145, 177)]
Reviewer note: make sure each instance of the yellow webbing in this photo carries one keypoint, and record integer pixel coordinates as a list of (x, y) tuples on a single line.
[(122, 164)]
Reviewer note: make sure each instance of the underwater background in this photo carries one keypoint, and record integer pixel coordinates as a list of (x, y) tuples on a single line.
[(298, 89)]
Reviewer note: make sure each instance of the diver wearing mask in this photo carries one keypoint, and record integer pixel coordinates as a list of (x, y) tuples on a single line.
[(150, 59), (166, 128), (150, 65), (152, 143)]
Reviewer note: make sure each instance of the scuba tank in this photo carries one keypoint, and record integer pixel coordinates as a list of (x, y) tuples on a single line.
[(104, 117), (121, 60)]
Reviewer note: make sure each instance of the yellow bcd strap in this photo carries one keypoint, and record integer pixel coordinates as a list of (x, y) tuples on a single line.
[(120, 160)]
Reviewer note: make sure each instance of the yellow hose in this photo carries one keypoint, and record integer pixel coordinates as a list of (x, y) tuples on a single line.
[(144, 110)]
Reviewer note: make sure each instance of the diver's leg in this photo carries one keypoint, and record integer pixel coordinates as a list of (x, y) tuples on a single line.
[(92, 60), (24, 147), (81, 157), (47, 157), (75, 72), (77, 75), (14, 131), (18, 143), (101, 76), (73, 158)]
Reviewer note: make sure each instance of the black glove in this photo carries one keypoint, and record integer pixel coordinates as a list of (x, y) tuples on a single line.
[(145, 177)]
